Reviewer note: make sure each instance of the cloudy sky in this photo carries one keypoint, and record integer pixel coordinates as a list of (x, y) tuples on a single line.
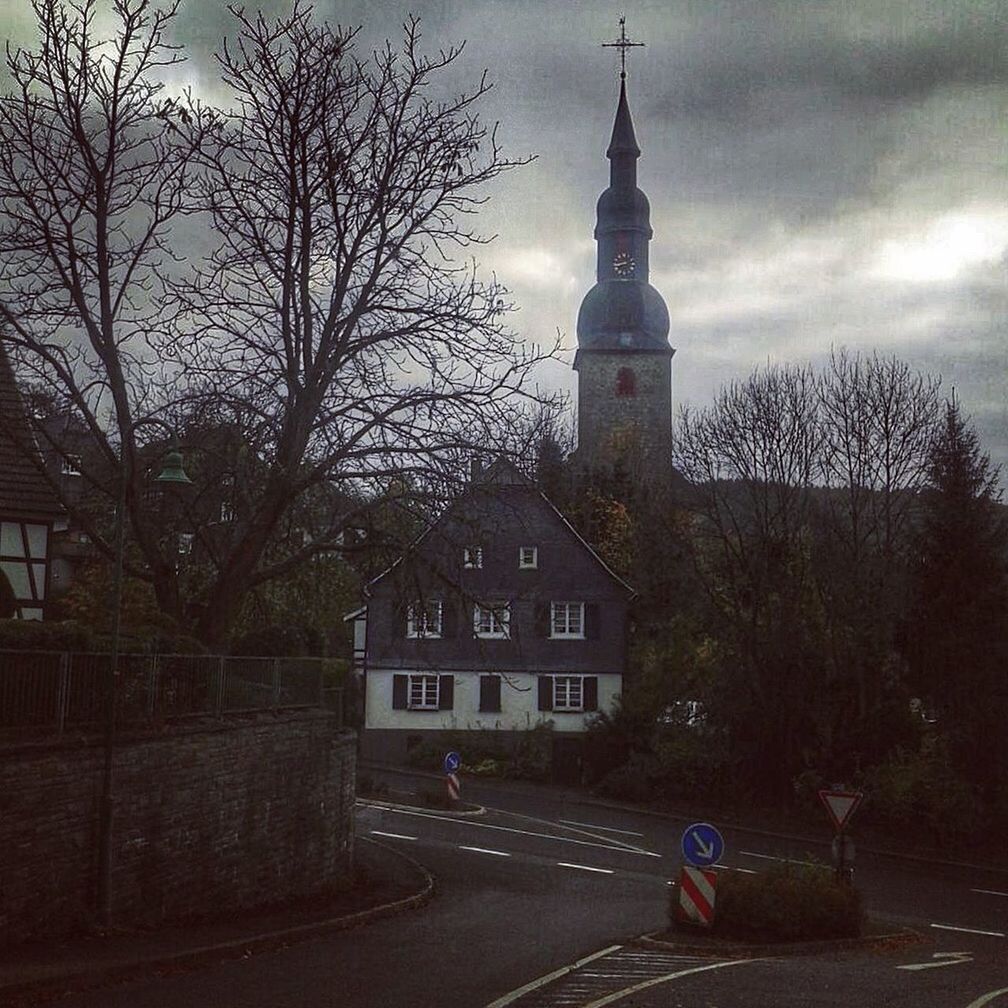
[(820, 173)]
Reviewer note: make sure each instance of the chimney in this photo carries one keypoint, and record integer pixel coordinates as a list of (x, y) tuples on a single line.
[(475, 469)]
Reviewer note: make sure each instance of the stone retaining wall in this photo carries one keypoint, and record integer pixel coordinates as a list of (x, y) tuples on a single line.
[(208, 817)]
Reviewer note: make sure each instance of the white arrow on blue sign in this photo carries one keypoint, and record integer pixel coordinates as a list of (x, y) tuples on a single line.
[(452, 762), (702, 845)]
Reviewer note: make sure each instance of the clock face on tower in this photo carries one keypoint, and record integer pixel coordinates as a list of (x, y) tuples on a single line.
[(623, 264)]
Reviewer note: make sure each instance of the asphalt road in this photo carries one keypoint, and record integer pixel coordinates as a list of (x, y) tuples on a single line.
[(543, 881)]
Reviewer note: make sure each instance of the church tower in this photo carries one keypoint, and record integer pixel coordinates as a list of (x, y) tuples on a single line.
[(623, 360)]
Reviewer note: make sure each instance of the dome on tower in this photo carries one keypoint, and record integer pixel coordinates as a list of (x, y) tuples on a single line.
[(623, 315), (620, 209)]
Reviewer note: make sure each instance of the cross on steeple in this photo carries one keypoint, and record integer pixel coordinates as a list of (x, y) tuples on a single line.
[(622, 43)]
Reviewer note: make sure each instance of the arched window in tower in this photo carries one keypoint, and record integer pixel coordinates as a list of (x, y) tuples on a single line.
[(626, 382)]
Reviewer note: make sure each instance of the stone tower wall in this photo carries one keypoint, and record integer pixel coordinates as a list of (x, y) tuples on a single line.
[(635, 430)]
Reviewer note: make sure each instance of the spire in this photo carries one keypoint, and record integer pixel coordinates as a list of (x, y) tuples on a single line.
[(623, 142), (623, 312)]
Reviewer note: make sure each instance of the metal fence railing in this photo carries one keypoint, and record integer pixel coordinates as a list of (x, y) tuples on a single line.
[(59, 690)]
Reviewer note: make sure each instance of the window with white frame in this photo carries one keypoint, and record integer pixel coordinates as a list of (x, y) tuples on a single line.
[(423, 692), (568, 693), (567, 619), (424, 618), (71, 465), (491, 621), (528, 557), (472, 557), (185, 541)]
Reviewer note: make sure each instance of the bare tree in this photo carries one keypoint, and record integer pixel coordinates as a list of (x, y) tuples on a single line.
[(335, 332), (751, 457), (877, 419), (94, 171)]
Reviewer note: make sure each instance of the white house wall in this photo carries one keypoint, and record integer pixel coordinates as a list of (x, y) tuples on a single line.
[(519, 705)]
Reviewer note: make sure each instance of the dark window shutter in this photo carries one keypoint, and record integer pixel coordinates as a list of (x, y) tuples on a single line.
[(446, 692), (591, 613), (542, 619), (589, 687), (545, 692), (400, 692), (490, 693)]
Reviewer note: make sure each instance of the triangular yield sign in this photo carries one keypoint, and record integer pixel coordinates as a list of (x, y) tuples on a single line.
[(840, 805)]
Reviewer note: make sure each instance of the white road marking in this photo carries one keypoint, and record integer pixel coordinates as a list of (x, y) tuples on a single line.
[(608, 829), (540, 981), (584, 867), (950, 927), (944, 959), (484, 850), (394, 836), (624, 848), (595, 836), (771, 857), (643, 985), (987, 998), (990, 892)]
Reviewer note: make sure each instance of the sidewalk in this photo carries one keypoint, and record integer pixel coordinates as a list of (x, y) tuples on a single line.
[(394, 883)]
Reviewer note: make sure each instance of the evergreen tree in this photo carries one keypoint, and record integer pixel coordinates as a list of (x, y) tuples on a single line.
[(957, 634)]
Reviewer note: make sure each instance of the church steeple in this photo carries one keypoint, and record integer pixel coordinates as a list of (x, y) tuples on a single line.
[(623, 359), (623, 311)]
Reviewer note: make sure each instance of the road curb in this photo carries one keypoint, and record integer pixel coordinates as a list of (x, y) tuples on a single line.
[(244, 946), (718, 947), (466, 814)]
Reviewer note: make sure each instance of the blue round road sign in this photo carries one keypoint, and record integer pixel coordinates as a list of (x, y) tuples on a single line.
[(452, 762), (702, 845)]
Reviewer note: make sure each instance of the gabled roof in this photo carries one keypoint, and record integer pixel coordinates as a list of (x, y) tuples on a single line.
[(24, 490), (500, 473)]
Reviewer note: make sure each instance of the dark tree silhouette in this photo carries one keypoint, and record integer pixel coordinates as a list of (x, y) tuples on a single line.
[(957, 642)]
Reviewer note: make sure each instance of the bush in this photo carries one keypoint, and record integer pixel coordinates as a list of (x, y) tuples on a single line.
[(915, 792), (638, 780), (35, 635), (786, 903), (485, 753), (485, 768), (532, 757), (692, 762)]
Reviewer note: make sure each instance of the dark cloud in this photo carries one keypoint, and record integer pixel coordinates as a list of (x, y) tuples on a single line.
[(820, 171), (742, 77)]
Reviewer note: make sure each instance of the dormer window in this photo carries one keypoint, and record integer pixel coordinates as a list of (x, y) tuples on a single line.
[(528, 557), (425, 618), (472, 557)]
